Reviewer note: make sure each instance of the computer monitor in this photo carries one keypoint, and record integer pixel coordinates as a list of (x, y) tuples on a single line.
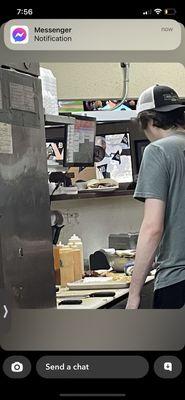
[(140, 146), (138, 142), (79, 144)]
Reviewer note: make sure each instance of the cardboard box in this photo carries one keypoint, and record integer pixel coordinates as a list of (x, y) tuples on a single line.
[(85, 175)]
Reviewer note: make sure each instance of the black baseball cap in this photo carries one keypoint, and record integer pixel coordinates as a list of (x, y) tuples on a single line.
[(159, 98)]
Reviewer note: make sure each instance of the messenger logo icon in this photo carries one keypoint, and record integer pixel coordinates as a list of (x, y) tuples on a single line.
[(19, 34)]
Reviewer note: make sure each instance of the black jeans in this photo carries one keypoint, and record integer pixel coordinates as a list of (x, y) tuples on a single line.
[(172, 296)]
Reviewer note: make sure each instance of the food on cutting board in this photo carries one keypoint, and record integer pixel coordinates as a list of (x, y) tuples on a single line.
[(101, 183), (111, 274), (119, 277), (94, 273)]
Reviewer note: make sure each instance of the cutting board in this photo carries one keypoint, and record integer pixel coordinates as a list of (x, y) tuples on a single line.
[(99, 283)]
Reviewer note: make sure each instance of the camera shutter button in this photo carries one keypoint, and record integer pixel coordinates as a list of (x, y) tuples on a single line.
[(17, 367)]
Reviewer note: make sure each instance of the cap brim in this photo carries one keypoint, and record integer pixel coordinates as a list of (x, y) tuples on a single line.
[(169, 107)]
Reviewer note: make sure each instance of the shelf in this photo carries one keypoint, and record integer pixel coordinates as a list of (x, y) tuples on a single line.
[(113, 128), (88, 194), (58, 120), (113, 123)]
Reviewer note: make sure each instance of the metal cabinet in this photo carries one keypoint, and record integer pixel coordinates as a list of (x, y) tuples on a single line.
[(26, 240)]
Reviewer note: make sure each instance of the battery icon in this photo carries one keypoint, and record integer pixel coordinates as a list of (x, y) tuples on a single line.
[(170, 11)]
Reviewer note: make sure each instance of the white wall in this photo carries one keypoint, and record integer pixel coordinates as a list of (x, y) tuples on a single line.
[(100, 217), (105, 80)]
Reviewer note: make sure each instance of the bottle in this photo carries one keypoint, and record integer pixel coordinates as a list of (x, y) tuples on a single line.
[(76, 241)]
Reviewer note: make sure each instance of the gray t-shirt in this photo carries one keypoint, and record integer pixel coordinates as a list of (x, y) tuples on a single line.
[(162, 176)]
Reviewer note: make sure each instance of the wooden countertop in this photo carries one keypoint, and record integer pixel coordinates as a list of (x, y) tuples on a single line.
[(91, 303)]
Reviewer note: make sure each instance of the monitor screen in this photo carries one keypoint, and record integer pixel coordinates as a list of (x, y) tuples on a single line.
[(139, 150), (80, 142), (116, 163)]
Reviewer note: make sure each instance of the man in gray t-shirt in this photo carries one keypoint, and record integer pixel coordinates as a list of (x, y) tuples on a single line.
[(161, 185)]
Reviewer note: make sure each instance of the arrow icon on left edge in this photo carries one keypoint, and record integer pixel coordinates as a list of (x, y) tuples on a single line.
[(6, 311)]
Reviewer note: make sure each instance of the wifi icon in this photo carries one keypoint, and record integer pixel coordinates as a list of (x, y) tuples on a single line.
[(158, 11)]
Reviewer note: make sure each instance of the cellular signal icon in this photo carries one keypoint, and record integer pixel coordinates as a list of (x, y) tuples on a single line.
[(158, 11), (147, 12)]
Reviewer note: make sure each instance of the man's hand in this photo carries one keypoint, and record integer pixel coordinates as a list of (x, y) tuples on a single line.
[(133, 303)]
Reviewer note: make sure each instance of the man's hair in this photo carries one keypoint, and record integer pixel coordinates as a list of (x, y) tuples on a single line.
[(164, 120)]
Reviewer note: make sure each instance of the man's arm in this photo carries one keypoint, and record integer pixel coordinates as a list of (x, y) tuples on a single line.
[(149, 238)]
